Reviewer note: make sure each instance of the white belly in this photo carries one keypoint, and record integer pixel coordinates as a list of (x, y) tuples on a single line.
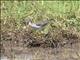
[(34, 25)]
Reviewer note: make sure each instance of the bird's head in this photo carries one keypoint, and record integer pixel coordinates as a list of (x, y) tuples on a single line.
[(27, 21)]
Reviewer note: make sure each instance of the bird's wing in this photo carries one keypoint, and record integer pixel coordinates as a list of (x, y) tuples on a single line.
[(42, 23)]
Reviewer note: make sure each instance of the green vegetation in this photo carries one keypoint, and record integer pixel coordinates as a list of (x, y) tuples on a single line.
[(65, 14), (62, 32)]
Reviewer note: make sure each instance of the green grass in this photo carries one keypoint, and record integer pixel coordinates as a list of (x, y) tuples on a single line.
[(66, 14)]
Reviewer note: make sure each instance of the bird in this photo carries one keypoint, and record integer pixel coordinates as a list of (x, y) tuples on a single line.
[(37, 25)]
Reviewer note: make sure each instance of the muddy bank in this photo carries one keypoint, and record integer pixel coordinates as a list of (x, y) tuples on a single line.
[(38, 53), (57, 45)]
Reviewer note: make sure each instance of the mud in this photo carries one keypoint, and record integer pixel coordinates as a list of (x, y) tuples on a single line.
[(26, 45)]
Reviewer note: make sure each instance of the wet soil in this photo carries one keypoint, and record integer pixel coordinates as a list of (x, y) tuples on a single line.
[(26, 45)]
